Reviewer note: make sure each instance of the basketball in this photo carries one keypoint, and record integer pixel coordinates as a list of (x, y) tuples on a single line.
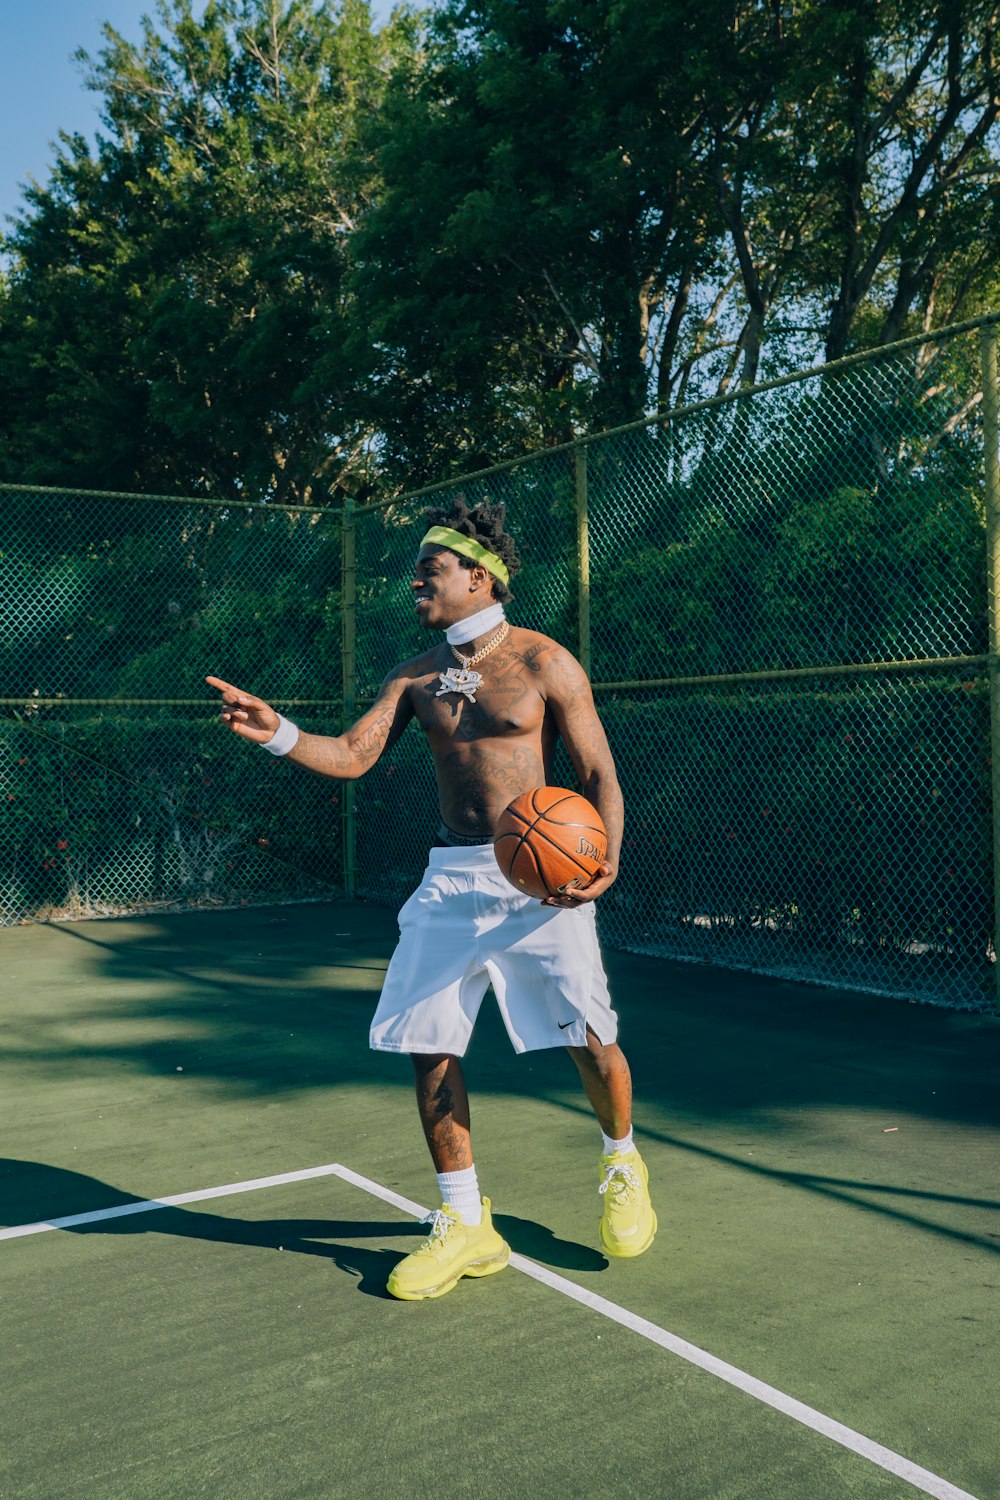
[(549, 837)]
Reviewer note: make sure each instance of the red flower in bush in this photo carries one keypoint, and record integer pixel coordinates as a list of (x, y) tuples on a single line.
[(62, 844)]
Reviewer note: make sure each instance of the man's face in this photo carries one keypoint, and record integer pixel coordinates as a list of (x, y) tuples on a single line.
[(445, 592)]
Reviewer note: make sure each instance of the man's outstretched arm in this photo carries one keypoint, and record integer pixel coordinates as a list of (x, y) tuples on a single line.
[(344, 756)]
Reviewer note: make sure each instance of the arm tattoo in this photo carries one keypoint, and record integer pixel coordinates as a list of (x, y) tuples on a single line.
[(368, 745)]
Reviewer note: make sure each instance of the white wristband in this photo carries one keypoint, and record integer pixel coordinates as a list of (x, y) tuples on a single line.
[(284, 738)]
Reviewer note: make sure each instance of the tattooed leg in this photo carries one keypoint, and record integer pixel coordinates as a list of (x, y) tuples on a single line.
[(605, 1076), (444, 1111)]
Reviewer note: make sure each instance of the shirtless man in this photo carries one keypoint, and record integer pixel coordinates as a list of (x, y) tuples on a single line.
[(492, 712)]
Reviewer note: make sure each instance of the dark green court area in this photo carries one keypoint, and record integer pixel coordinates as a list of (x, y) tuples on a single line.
[(824, 1166)]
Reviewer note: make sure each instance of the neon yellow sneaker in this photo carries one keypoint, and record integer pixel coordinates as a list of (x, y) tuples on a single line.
[(628, 1222), (453, 1249)]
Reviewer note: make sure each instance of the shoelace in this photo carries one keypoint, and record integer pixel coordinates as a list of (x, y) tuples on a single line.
[(440, 1223), (621, 1178)]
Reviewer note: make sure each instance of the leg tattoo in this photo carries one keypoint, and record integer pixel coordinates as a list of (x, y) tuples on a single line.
[(444, 1111)]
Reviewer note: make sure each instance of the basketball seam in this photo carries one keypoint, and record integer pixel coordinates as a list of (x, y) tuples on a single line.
[(521, 837), (522, 843), (545, 810), (560, 850), (544, 814), (524, 832)]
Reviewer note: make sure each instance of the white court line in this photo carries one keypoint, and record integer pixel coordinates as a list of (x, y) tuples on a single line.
[(885, 1458), (252, 1185)]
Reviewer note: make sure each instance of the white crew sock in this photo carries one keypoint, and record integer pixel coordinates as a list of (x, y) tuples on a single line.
[(460, 1190), (611, 1146)]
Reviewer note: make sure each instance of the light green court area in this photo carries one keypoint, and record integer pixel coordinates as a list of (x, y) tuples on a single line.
[(824, 1167)]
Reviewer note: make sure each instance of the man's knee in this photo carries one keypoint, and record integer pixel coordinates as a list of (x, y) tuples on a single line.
[(595, 1047)]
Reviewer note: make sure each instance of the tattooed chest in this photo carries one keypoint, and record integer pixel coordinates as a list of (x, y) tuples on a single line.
[(476, 782), (499, 709)]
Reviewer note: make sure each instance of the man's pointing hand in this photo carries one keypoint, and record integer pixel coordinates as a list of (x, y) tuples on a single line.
[(249, 717)]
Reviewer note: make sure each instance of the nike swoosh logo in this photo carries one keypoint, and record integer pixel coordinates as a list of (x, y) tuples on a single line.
[(563, 1024)]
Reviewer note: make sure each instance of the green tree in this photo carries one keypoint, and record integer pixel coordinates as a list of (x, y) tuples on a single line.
[(906, 162), (594, 210), (176, 315), (541, 227), (308, 257)]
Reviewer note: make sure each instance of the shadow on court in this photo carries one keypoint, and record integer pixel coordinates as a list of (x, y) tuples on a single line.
[(280, 1000), (825, 1170), (262, 1005), (32, 1192), (264, 1001), (901, 1205)]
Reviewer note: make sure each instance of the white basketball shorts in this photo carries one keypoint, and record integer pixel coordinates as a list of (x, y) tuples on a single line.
[(465, 928)]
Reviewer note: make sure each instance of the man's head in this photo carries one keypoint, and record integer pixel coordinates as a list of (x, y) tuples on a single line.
[(465, 563)]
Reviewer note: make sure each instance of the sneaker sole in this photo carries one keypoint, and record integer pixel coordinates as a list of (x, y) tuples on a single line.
[(487, 1267), (628, 1252)]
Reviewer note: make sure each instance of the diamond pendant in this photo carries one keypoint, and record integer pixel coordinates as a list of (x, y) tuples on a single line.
[(459, 680)]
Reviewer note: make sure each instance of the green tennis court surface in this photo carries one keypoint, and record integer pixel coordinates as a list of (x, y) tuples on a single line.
[(824, 1168)]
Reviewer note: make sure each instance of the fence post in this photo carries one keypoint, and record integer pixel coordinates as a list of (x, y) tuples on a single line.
[(991, 444), (348, 667), (582, 555)]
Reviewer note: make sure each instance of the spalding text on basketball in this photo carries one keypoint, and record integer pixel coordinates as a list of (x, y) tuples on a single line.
[(585, 846)]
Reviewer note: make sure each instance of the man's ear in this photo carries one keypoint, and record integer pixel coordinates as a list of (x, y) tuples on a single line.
[(481, 578)]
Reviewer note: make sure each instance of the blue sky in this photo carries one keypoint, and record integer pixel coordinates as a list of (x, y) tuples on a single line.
[(43, 90)]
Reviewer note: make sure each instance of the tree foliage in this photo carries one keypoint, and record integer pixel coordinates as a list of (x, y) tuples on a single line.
[(176, 316), (620, 206), (307, 255)]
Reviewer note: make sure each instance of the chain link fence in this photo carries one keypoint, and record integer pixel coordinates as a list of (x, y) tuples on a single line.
[(781, 598), (119, 793)]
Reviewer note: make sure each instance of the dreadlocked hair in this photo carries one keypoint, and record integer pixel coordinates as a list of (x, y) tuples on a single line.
[(483, 524)]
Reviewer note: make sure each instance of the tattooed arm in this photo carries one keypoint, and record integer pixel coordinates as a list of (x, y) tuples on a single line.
[(345, 756), (571, 702)]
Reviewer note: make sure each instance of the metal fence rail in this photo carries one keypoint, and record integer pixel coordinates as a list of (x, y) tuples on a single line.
[(784, 599)]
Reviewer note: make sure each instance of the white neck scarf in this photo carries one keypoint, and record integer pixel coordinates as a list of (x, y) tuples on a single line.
[(473, 625)]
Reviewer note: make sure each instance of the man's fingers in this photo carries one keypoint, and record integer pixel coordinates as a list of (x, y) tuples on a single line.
[(235, 695), (572, 894), (248, 732)]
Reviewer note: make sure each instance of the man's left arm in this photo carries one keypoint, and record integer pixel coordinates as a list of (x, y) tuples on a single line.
[(571, 701)]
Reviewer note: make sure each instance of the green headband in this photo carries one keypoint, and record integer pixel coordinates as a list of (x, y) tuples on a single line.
[(443, 536)]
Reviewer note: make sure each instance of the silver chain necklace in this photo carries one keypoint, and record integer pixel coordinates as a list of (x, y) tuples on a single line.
[(462, 679)]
